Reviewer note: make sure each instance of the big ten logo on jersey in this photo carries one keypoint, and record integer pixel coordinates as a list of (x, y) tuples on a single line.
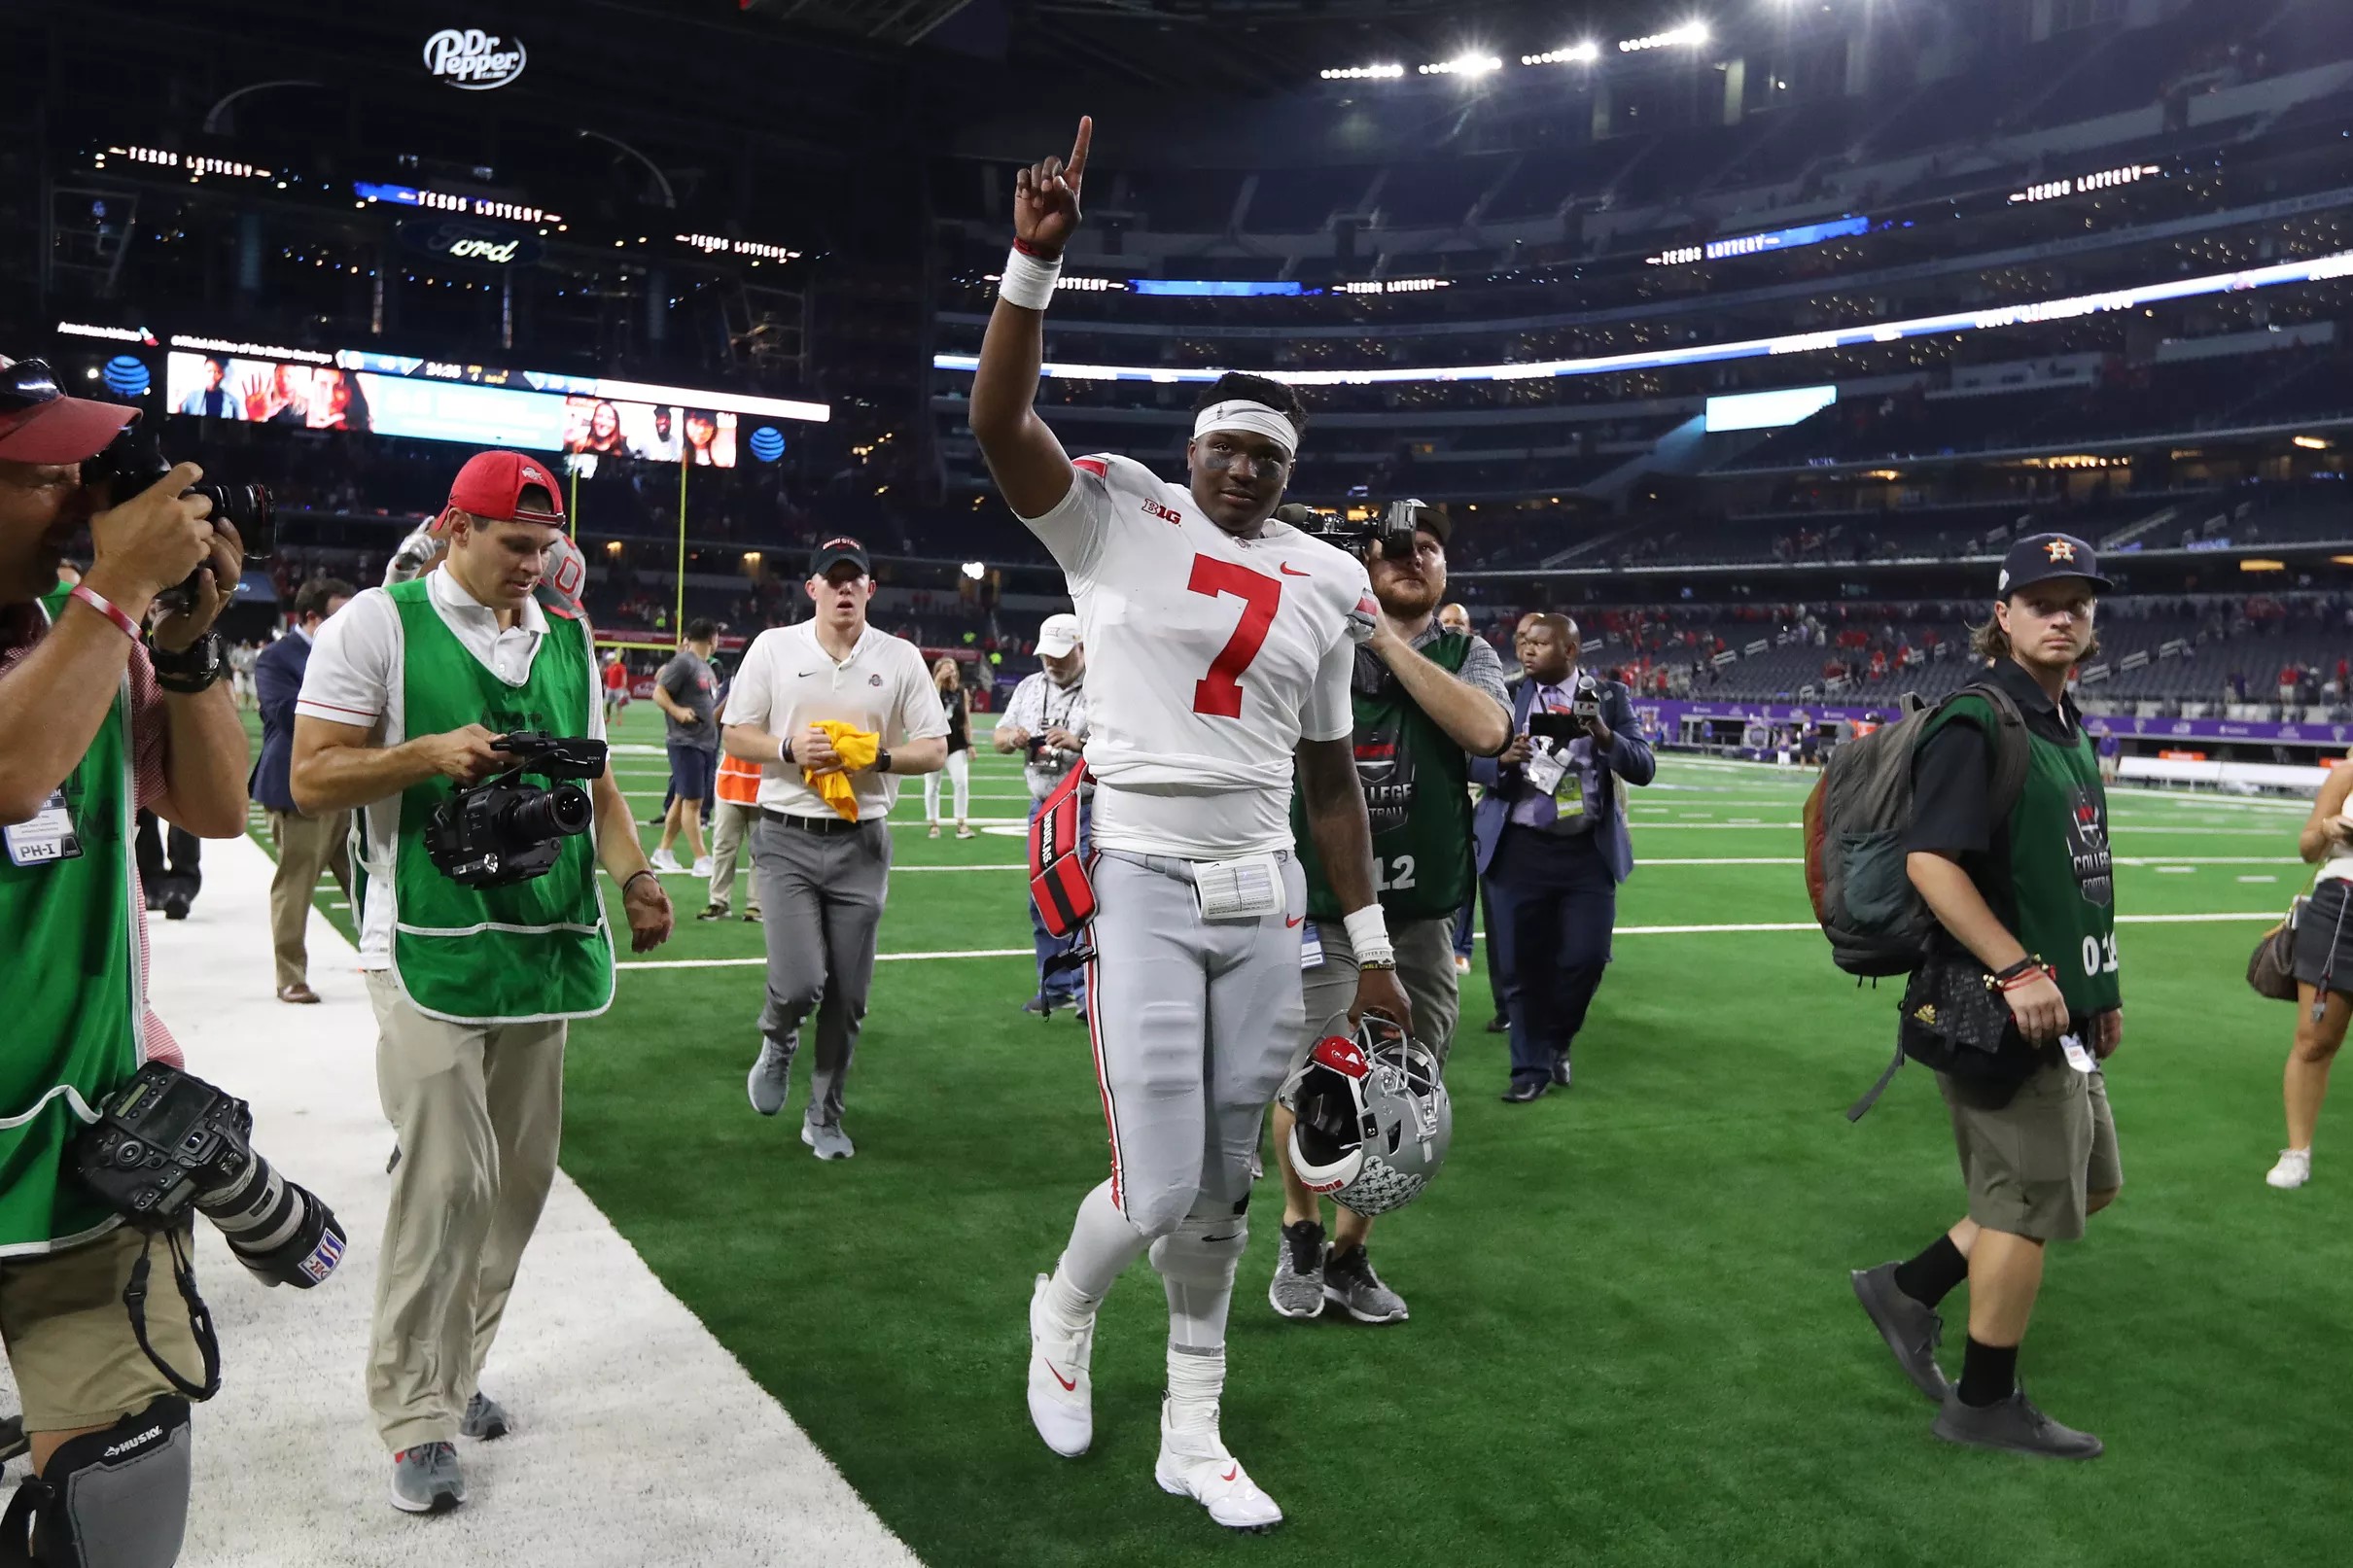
[(1167, 514), (1384, 766), (2088, 850)]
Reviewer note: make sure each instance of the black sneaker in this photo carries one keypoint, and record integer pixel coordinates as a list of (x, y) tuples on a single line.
[(2014, 1426), (1913, 1330), (1349, 1281)]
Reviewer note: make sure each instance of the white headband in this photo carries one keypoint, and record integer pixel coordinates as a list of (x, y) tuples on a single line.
[(1257, 418)]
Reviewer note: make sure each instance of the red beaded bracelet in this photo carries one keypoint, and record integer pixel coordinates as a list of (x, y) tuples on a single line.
[(105, 607)]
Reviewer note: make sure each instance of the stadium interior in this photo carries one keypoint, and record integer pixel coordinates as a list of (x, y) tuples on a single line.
[(1748, 334)]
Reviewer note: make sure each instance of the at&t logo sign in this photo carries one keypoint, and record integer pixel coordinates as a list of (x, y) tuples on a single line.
[(472, 60)]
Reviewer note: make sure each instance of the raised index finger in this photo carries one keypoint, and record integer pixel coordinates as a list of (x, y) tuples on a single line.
[(1077, 169)]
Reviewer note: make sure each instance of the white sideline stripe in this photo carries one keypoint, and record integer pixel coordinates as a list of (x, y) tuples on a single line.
[(2162, 862), (1623, 931), (694, 1462)]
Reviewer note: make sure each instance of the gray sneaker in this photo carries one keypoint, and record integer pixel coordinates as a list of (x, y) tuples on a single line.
[(1913, 1330), (772, 1081), (426, 1479), (827, 1141), (1348, 1280), (1297, 1289), (486, 1419), (2014, 1426)]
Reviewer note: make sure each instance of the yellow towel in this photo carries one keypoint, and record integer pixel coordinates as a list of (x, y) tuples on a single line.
[(858, 747)]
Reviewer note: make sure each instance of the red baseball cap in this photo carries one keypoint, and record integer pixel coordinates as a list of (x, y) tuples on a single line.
[(491, 485), (39, 424)]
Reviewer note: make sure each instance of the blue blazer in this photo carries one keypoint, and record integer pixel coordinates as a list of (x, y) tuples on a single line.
[(1629, 758), (277, 676)]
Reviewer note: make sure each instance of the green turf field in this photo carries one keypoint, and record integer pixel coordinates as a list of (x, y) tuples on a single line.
[(1632, 1338)]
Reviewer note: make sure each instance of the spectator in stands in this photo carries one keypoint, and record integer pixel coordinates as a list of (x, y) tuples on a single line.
[(306, 844), (949, 679), (2324, 972), (1553, 846), (686, 691), (1046, 720)]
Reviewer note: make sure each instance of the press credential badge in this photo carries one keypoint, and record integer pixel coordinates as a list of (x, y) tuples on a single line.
[(47, 838)]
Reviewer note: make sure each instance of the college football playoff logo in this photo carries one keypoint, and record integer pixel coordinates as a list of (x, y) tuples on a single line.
[(2088, 850)]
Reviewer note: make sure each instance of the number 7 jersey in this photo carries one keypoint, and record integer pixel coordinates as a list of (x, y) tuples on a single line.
[(1208, 659)]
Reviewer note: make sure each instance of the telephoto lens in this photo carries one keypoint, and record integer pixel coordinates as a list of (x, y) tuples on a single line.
[(279, 1231)]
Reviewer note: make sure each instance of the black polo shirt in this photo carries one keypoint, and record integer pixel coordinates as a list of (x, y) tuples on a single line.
[(1951, 783)]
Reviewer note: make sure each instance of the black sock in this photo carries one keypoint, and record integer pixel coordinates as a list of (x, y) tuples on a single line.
[(1930, 1277), (1989, 1373)]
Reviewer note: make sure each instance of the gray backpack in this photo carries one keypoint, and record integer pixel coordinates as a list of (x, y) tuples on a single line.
[(1857, 820)]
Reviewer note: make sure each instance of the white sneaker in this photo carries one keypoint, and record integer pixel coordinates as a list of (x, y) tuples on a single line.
[(664, 860), (1062, 1395), (2293, 1170), (1194, 1463), (702, 868)]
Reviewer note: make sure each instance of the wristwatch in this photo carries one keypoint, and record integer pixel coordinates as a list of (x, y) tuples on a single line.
[(194, 668), (882, 759)]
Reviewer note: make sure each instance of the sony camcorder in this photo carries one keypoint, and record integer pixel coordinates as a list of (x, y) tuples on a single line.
[(134, 462), (505, 830), (1391, 534)]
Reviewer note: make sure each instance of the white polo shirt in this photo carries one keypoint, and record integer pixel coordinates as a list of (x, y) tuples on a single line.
[(355, 678), (787, 681)]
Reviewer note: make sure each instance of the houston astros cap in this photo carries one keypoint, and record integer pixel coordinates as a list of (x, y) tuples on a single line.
[(39, 424), (491, 485), (833, 551), (2040, 557)]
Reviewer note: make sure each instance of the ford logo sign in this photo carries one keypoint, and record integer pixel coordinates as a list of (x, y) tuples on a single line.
[(471, 59), (455, 239)]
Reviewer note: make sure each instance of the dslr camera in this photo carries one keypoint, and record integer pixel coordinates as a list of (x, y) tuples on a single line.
[(167, 1141), (1391, 534), (135, 461), (505, 830)]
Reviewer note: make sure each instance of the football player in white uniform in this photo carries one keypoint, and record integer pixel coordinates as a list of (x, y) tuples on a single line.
[(1219, 646)]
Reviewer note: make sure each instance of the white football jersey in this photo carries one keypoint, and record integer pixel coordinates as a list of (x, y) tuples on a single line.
[(1208, 659)]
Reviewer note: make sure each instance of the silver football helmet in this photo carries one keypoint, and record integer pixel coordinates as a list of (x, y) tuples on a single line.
[(563, 583), (1373, 1119)]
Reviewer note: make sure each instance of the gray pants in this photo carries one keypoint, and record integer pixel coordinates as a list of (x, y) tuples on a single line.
[(730, 830), (1425, 967), (821, 899), (1193, 1022)]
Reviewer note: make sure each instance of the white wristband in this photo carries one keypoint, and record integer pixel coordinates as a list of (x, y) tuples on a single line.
[(1368, 936), (1028, 282)]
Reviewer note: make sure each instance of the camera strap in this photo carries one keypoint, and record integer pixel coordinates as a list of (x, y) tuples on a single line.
[(199, 1317)]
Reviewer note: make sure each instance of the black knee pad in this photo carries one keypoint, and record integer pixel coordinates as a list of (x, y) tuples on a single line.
[(112, 1499)]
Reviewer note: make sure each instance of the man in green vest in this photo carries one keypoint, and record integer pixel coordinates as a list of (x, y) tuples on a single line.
[(2031, 900), (474, 988), (98, 718), (1423, 697)]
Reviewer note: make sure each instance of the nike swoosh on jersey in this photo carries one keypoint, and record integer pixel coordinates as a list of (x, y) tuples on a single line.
[(1294, 924), (1287, 570)]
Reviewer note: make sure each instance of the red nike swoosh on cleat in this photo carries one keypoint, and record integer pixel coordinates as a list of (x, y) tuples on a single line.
[(1289, 570), (1069, 1385), (1230, 1474), (1294, 924)]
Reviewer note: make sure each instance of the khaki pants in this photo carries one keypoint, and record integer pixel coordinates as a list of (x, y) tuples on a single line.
[(480, 1110), (730, 836), (69, 1339), (306, 845)]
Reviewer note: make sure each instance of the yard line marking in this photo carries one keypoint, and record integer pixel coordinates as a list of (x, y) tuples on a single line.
[(1623, 931), (2259, 879), (2176, 870)]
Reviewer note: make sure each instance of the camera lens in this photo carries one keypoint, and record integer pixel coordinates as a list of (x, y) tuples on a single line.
[(562, 810)]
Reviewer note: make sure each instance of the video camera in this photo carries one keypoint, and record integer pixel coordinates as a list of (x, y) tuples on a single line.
[(1392, 534), (503, 830), (134, 462)]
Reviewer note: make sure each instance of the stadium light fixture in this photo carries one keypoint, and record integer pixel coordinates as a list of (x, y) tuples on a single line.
[(1362, 73), (1465, 65), (2259, 564), (975, 569), (2312, 443), (1693, 33), (1585, 53)]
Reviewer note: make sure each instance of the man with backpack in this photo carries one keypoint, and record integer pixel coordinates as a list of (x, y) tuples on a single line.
[(2016, 1000)]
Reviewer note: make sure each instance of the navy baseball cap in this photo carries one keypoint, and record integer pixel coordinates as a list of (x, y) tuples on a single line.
[(2040, 557)]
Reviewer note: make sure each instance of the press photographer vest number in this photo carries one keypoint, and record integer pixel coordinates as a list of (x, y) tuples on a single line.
[(1416, 795), (70, 991), (530, 951)]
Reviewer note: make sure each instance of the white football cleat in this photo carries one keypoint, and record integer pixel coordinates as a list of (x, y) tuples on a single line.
[(1194, 1463), (1062, 1396), (2293, 1170)]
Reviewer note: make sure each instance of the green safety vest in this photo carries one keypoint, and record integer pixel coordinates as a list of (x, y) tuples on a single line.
[(70, 991), (536, 950), (2061, 897), (1417, 793)]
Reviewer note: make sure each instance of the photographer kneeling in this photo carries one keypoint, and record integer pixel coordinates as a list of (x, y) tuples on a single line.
[(95, 721), (480, 928)]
